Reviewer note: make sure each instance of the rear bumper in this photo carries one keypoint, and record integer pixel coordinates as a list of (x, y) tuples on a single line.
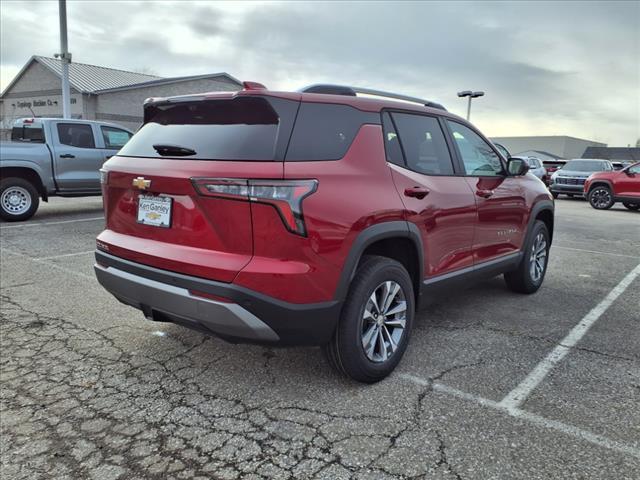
[(248, 316)]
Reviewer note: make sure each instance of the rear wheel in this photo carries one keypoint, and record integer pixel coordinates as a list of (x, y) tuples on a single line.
[(631, 206), (376, 320), (600, 197), (528, 277), (19, 199)]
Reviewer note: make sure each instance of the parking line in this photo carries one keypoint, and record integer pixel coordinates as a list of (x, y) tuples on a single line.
[(22, 225), (595, 251), (64, 255), (518, 395), (52, 265), (532, 418)]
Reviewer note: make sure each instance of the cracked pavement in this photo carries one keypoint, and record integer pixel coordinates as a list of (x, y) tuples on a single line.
[(91, 389)]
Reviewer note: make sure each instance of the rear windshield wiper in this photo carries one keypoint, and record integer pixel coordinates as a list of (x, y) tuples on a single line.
[(173, 150)]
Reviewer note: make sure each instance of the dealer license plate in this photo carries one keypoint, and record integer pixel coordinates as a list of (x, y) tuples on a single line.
[(154, 211)]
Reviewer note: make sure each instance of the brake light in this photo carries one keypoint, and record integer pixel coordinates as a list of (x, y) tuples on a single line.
[(253, 86), (285, 196)]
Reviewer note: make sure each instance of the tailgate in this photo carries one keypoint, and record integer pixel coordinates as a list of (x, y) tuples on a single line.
[(207, 236)]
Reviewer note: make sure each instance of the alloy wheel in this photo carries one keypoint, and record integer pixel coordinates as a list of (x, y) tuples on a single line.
[(600, 198), (15, 200), (383, 321), (538, 258)]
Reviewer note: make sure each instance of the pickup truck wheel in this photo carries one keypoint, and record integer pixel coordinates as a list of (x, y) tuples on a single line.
[(600, 198), (19, 199), (528, 277), (376, 320), (632, 206)]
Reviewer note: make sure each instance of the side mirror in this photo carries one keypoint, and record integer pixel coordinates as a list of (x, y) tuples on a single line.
[(517, 167)]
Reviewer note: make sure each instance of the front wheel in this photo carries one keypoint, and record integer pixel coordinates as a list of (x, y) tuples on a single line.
[(376, 320), (19, 199), (600, 198), (631, 206), (528, 277)]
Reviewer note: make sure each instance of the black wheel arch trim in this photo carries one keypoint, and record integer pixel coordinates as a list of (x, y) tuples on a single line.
[(537, 208), (598, 182), (370, 235)]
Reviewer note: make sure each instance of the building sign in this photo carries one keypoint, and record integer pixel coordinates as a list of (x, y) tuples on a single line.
[(47, 102)]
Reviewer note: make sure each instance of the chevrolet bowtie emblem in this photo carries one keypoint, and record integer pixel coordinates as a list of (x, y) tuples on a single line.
[(141, 183)]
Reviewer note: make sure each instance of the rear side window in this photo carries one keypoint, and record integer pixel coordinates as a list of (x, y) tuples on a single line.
[(424, 145), (28, 133), (243, 128), (325, 131), (114, 137), (76, 135)]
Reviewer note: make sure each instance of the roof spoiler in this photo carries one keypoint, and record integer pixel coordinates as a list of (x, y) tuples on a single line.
[(353, 92)]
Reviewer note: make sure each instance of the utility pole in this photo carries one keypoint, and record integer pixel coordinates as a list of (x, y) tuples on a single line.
[(65, 59), (470, 95)]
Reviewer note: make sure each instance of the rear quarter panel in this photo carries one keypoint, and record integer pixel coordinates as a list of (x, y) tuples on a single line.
[(353, 193)]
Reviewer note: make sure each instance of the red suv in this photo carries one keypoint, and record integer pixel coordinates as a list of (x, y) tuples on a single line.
[(318, 217), (603, 189)]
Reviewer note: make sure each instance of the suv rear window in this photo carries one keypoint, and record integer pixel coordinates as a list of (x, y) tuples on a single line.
[(324, 131), (244, 128)]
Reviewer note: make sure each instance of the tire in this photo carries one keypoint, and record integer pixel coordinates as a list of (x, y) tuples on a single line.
[(527, 278), (345, 351), (19, 199), (600, 197), (631, 206)]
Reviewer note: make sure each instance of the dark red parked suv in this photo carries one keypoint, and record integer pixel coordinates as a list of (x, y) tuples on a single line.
[(313, 218), (603, 189)]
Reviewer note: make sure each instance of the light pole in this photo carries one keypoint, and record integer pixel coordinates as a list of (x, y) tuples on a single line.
[(470, 94), (65, 59)]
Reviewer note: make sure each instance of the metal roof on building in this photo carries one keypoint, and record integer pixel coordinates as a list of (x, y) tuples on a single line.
[(87, 78), (613, 153)]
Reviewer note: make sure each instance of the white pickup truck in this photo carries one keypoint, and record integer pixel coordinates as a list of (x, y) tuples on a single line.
[(53, 157)]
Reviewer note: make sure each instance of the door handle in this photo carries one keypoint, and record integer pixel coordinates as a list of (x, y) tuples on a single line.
[(67, 155), (484, 193), (416, 192)]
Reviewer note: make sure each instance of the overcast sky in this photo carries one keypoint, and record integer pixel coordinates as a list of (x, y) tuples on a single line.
[(547, 68)]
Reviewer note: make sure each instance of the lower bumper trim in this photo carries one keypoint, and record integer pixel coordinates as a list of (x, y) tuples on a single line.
[(178, 305)]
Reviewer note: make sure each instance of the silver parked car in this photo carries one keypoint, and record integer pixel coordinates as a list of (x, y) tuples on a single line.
[(535, 166)]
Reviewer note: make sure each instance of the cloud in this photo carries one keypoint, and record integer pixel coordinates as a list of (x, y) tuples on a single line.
[(547, 68)]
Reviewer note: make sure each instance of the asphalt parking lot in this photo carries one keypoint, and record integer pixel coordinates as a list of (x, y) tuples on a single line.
[(494, 385)]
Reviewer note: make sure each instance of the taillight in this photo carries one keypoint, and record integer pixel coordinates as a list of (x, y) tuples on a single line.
[(285, 195)]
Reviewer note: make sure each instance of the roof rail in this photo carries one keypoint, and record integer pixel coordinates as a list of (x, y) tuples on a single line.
[(353, 91)]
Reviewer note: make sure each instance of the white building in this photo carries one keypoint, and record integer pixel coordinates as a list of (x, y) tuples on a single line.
[(561, 146), (97, 93)]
